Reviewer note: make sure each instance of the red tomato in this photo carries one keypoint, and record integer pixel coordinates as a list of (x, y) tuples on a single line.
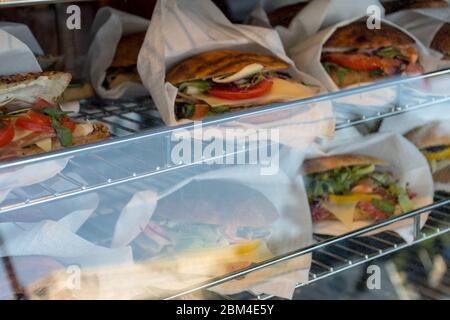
[(39, 118), (235, 93), (41, 104), (66, 122), (6, 133), (361, 62), (27, 124)]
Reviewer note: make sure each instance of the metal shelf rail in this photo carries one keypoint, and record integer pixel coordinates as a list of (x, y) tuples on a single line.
[(141, 144), (332, 255)]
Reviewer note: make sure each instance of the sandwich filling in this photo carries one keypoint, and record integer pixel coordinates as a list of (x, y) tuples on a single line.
[(251, 86), (355, 193), (40, 128), (227, 80), (356, 54), (349, 66), (438, 157)]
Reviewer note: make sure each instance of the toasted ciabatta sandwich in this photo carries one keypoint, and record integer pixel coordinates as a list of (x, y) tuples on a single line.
[(31, 121), (355, 54), (434, 141), (353, 188), (219, 81), (210, 221), (124, 65), (392, 6), (441, 41)]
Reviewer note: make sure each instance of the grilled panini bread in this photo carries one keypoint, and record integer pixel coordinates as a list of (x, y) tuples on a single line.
[(28, 87), (283, 16), (124, 65), (31, 121), (441, 41), (353, 188), (434, 141), (398, 5), (355, 54), (29, 143), (218, 81)]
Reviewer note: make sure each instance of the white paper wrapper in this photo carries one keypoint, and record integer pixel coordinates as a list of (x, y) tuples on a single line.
[(180, 29), (405, 122), (409, 166), (23, 33), (317, 15), (59, 239), (424, 24), (109, 26), (16, 57), (291, 231), (28, 175), (307, 56)]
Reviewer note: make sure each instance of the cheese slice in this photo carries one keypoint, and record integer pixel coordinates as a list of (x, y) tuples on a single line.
[(282, 91), (441, 155), (45, 144), (83, 129), (21, 133), (343, 212)]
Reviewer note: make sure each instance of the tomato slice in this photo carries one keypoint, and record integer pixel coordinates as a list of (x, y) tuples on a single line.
[(6, 133), (66, 122), (362, 62), (28, 124), (236, 93), (39, 118), (41, 104)]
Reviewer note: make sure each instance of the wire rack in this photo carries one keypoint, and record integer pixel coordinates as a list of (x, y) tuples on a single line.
[(333, 255), (140, 149)]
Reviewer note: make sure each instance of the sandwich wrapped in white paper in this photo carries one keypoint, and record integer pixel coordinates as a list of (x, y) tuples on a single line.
[(308, 54), (109, 27), (409, 168), (314, 16), (182, 29), (207, 230)]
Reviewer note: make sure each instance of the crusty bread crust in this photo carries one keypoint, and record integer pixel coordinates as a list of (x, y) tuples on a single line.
[(433, 134), (442, 176), (283, 16), (333, 162), (12, 80), (398, 5), (218, 63), (127, 50), (441, 41), (357, 35)]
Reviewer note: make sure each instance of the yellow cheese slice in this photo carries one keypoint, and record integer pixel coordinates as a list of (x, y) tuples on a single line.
[(282, 91), (444, 154), (45, 144), (343, 212)]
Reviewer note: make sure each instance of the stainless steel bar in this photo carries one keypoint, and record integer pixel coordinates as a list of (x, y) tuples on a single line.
[(334, 256), (349, 236), (323, 265), (416, 227), (368, 246), (229, 117)]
